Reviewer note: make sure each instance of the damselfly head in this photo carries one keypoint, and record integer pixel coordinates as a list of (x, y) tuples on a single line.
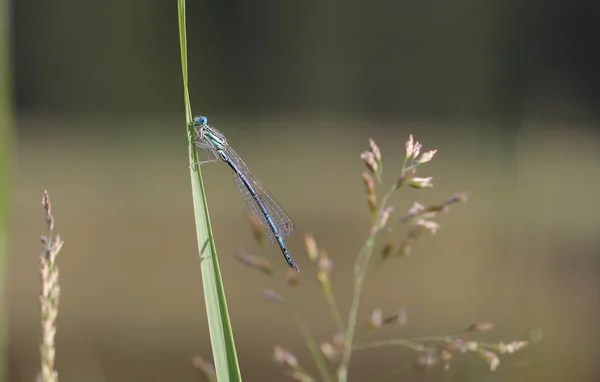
[(200, 121)]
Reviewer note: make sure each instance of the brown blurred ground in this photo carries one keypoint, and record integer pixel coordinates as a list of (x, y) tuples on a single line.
[(523, 253)]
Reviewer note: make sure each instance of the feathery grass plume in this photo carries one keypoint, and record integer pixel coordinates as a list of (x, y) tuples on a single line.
[(372, 159), (418, 210), (444, 348), (323, 279), (388, 249), (371, 197), (479, 327), (376, 153), (383, 219), (416, 150), (328, 350), (408, 171), (255, 262), (409, 145), (420, 219), (428, 156), (427, 361), (295, 370), (414, 211), (338, 340), (292, 277), (333, 349), (416, 182), (325, 263), (50, 294), (428, 225), (432, 351), (492, 358), (300, 376), (257, 228), (405, 178), (375, 321), (400, 317), (369, 183), (310, 247), (405, 248), (511, 347), (273, 296), (285, 357), (324, 268)]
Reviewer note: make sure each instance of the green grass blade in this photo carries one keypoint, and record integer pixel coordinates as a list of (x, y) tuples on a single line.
[(6, 143), (219, 325)]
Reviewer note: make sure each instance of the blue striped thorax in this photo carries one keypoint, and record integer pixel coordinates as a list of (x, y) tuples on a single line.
[(209, 134)]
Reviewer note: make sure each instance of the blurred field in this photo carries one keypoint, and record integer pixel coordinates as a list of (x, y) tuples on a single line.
[(523, 253)]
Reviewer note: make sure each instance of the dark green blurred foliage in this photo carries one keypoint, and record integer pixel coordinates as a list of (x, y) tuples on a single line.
[(429, 59)]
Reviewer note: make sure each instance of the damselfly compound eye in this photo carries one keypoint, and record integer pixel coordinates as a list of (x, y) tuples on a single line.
[(200, 120)]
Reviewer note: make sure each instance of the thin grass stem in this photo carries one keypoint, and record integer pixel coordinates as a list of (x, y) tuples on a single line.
[(312, 346), (219, 325), (6, 153)]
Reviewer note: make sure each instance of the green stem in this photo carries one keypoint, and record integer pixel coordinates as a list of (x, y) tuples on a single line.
[(6, 150), (393, 342), (360, 271), (312, 346), (219, 325), (335, 312)]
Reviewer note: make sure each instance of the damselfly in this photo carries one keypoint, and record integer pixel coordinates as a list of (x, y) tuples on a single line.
[(276, 223)]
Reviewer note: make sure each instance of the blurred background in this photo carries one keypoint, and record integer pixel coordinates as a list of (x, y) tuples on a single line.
[(507, 91)]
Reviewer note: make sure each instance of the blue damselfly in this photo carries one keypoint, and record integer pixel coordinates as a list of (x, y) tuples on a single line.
[(276, 223)]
